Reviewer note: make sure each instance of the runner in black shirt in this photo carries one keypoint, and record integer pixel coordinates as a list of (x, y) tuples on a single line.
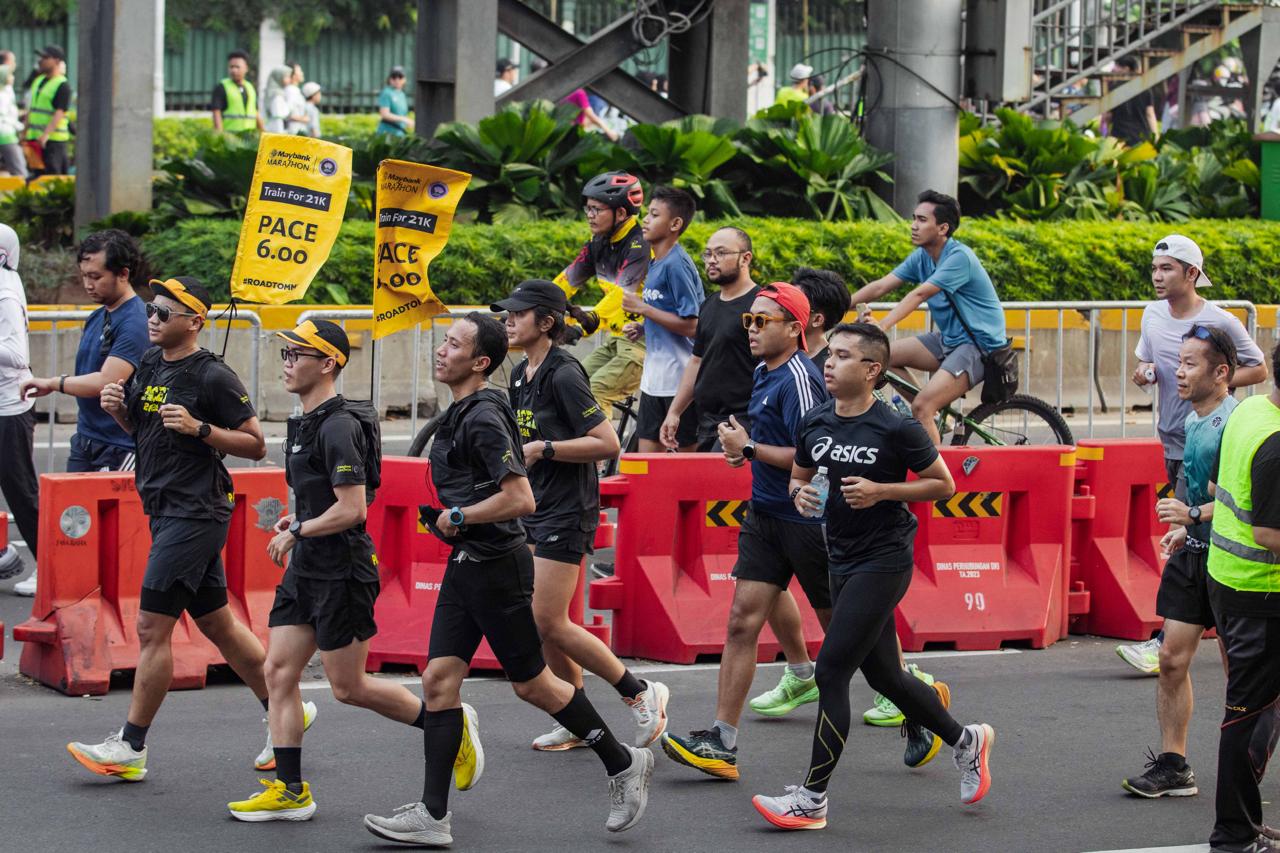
[(478, 473), (185, 409), (723, 388), (868, 450), (564, 434), (829, 296), (325, 600)]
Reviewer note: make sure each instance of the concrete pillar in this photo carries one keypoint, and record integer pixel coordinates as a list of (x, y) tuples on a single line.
[(905, 115), (115, 79), (456, 53), (1261, 49), (708, 64), (157, 77)]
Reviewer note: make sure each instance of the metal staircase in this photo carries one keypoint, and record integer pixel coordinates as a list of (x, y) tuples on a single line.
[(1075, 43)]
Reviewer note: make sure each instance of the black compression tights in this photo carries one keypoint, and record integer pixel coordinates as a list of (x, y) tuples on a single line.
[(861, 636)]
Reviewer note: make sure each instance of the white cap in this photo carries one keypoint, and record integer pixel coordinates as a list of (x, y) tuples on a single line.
[(310, 88), (800, 71), (1183, 249)]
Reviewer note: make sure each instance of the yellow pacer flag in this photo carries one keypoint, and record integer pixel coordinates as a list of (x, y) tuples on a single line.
[(415, 217), (296, 204)]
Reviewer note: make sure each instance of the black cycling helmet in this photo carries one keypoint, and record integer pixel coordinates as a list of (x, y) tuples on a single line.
[(616, 189)]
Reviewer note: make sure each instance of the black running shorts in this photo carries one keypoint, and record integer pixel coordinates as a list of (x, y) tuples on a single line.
[(560, 544), (184, 569), (1184, 589), (491, 600), (774, 550), (340, 611)]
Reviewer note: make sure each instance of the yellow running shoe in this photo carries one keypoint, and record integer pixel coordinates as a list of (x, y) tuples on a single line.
[(469, 765), (276, 802)]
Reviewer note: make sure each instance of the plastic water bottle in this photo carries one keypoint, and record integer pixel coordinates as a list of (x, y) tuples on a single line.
[(901, 405), (822, 483), (1150, 375)]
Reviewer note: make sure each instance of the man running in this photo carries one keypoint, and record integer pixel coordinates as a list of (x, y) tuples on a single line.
[(1207, 362), (325, 601), (617, 256), (828, 303), (673, 295), (868, 449), (478, 471), (563, 435), (1244, 573), (776, 542), (186, 409), (1177, 272), (951, 280)]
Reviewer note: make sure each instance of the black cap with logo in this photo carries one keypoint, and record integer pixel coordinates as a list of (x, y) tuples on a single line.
[(534, 293)]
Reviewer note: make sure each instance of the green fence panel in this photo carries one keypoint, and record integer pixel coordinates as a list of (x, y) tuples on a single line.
[(353, 68), (191, 72)]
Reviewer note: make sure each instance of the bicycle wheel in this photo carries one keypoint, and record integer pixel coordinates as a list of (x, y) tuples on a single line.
[(1021, 419), (418, 446), (628, 438)]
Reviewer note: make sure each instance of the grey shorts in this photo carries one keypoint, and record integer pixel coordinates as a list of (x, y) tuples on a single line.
[(966, 358)]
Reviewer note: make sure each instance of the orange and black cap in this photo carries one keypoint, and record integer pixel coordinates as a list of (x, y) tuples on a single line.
[(185, 289), (322, 335)]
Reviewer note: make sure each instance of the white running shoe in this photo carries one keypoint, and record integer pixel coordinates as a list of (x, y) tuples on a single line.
[(973, 762), (411, 824), (557, 740), (112, 757), (629, 791), (1144, 657), (266, 759), (650, 710), (793, 810), (26, 588), (11, 564)]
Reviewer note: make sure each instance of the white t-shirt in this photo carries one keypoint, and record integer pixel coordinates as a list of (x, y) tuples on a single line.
[(500, 86), (277, 112), (297, 107), (15, 358), (1159, 344)]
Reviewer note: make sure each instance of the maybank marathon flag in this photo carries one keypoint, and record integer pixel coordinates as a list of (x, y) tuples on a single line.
[(415, 216), (296, 204)]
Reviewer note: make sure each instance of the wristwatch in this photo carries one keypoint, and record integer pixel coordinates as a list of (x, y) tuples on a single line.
[(1194, 512), (749, 450), (456, 516), (295, 529), (548, 450), (203, 432)]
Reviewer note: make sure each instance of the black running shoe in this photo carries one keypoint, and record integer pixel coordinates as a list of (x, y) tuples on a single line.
[(922, 744), (1162, 779), (602, 570)]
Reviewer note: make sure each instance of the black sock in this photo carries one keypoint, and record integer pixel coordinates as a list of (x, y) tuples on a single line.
[(135, 736), (1176, 761), (289, 766), (421, 721), (581, 718), (441, 737), (629, 687), (264, 704)]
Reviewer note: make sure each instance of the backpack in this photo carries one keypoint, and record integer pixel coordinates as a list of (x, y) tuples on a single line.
[(364, 414)]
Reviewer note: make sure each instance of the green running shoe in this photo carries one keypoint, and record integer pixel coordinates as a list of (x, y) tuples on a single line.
[(886, 714), (791, 693)]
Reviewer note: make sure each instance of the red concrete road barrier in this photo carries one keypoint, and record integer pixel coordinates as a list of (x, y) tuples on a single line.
[(991, 561), (94, 540)]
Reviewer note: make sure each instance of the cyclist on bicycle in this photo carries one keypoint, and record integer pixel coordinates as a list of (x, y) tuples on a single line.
[(951, 279), (617, 256)]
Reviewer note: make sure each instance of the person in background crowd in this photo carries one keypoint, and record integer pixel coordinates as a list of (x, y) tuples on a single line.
[(668, 309), (18, 480), (800, 88), (48, 129), (393, 105), (111, 348), (829, 300), (297, 124), (7, 57), (235, 100), (276, 102), (506, 74), (1135, 119), (311, 92), (587, 115), (12, 161)]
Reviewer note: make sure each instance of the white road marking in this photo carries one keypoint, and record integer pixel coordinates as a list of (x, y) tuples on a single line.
[(1184, 848)]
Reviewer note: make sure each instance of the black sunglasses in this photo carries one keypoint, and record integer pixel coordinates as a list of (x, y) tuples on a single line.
[(1204, 333), (164, 312)]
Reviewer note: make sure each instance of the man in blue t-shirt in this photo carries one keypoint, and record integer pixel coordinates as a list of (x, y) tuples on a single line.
[(776, 542), (673, 295), (959, 292)]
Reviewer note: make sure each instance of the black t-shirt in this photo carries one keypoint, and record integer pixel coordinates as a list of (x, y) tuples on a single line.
[(61, 97), (476, 447), (557, 405), (1264, 473), (179, 475), (328, 449), (879, 445), (1129, 120), (724, 377), (820, 358)]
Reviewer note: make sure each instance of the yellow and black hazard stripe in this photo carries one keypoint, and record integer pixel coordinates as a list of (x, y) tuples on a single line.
[(726, 513), (970, 505), (1165, 490)]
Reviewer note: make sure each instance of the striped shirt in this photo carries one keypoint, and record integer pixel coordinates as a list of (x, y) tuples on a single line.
[(779, 400)]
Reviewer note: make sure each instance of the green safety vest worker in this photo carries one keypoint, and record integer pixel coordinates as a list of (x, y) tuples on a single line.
[(241, 115), (42, 92), (1235, 558)]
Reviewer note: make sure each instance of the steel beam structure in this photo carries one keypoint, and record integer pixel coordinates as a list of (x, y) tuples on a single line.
[(709, 63), (455, 38)]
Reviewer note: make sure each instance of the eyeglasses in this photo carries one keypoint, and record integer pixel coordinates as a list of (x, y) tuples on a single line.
[(291, 356), (164, 312), (719, 255), (592, 211), (759, 321)]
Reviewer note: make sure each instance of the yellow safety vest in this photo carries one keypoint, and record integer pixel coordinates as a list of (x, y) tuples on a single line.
[(42, 92), (241, 114), (1235, 558)]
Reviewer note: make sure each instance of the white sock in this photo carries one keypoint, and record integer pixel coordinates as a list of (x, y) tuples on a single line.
[(814, 796), (803, 671), (728, 733)]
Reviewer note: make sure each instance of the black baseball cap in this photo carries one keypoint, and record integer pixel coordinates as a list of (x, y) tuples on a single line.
[(323, 335), (505, 65), (52, 51), (186, 289), (534, 293)]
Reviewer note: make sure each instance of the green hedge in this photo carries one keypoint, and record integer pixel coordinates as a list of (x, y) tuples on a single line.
[(1027, 261), (183, 137)]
